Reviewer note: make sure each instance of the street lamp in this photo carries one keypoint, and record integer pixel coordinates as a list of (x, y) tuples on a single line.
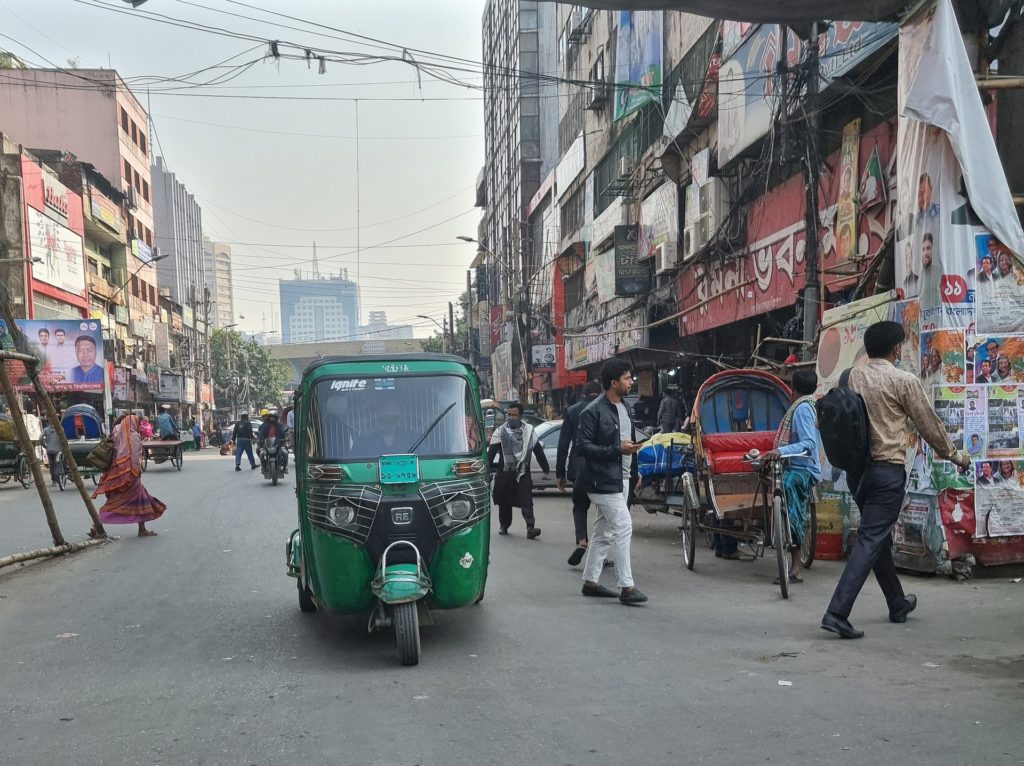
[(444, 333)]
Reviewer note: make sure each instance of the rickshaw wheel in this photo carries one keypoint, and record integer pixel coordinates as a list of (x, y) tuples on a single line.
[(810, 537), (781, 551), (407, 631), (24, 472), (690, 537), (305, 600), (62, 474), (95, 478)]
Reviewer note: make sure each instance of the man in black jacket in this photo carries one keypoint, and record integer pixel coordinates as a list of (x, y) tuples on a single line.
[(607, 448), (513, 484), (567, 466), (242, 436)]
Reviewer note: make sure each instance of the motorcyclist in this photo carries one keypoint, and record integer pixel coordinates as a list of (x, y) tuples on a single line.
[(272, 428)]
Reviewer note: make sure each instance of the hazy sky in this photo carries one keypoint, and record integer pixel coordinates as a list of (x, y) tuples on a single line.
[(280, 174)]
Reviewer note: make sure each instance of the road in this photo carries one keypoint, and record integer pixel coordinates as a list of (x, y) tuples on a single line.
[(189, 648)]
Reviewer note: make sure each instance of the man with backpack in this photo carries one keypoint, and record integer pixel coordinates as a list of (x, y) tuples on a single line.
[(890, 400)]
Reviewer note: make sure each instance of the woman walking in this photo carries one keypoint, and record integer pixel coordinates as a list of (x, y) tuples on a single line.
[(128, 502)]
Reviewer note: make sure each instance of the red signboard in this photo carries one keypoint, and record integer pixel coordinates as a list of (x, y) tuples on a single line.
[(769, 274)]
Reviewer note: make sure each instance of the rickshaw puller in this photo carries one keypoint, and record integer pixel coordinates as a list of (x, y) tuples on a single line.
[(513, 485)]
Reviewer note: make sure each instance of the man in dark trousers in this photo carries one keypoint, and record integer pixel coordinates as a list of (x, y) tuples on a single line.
[(242, 436), (606, 445), (894, 399), (514, 443), (566, 467), (670, 412)]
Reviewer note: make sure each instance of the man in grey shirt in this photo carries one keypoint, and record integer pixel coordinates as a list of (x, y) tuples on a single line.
[(51, 443)]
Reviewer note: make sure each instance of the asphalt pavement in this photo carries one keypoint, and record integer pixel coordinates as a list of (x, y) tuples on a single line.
[(189, 648)]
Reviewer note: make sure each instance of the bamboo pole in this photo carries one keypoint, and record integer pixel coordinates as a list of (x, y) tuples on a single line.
[(57, 550), (51, 411), (28, 449)]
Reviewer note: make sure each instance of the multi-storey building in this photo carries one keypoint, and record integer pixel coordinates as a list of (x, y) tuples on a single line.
[(319, 309), (217, 260), (520, 135), (91, 114)]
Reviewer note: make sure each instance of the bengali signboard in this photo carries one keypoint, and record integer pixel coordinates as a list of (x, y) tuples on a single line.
[(70, 353), (632, 271)]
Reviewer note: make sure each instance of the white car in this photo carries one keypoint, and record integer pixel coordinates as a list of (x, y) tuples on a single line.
[(548, 433)]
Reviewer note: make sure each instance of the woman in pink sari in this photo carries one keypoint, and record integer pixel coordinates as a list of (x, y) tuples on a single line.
[(128, 502)]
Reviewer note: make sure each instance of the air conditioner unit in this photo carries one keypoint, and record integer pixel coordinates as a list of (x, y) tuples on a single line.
[(600, 89), (705, 209), (133, 198), (689, 242), (664, 257), (625, 167)]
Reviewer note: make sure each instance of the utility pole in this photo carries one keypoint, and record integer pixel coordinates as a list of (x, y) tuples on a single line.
[(812, 288), (469, 316), (451, 328)]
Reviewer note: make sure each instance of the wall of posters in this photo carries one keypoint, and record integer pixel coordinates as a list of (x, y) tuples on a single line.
[(1000, 292), (942, 357), (70, 354)]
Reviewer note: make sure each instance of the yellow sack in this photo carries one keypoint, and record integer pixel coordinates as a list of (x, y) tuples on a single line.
[(664, 440)]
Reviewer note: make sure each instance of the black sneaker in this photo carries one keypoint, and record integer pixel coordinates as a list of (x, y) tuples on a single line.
[(906, 605), (238, 468), (577, 556), (532, 533), (632, 596), (252, 467), (503, 531), (598, 591)]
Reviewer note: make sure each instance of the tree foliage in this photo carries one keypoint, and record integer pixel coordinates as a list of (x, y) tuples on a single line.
[(244, 371)]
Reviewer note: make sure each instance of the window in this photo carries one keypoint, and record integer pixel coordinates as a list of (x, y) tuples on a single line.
[(135, 133), (138, 182), (145, 190), (152, 295), (135, 286), (140, 229), (550, 439), (149, 237), (142, 142), (124, 120), (128, 172)]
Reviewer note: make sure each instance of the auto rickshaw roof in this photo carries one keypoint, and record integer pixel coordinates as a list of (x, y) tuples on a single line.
[(384, 359)]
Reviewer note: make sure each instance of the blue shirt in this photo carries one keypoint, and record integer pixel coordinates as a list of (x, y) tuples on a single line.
[(804, 438), (165, 425), (94, 375)]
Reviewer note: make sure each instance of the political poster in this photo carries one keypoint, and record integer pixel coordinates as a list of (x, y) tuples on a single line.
[(846, 216), (942, 357), (70, 354), (995, 359), (908, 314), (1004, 420), (1000, 294), (999, 498)]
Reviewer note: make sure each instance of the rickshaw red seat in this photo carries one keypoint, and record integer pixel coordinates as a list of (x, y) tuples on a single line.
[(725, 452)]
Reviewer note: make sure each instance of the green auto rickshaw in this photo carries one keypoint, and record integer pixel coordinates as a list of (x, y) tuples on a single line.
[(392, 484)]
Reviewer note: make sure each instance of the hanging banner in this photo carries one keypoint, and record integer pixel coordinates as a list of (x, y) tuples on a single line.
[(952, 185), (659, 222), (501, 364), (846, 216), (638, 60), (70, 354)]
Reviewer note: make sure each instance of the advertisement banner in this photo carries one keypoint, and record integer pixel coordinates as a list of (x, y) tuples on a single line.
[(543, 358), (70, 353), (169, 388), (638, 60), (621, 332), (106, 212), (120, 389), (846, 214), (63, 259), (953, 189), (602, 269), (632, 270), (659, 221)]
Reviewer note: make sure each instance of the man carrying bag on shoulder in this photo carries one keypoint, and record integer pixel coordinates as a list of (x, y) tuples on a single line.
[(892, 399)]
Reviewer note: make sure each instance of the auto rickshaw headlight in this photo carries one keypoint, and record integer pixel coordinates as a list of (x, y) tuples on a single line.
[(459, 509), (342, 514)]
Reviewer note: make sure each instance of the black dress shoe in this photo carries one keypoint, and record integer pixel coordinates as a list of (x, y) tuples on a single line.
[(906, 605), (632, 596), (503, 531), (533, 533), (577, 556), (598, 591), (833, 623)]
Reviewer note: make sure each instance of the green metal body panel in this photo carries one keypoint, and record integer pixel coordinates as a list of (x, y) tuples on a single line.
[(339, 571)]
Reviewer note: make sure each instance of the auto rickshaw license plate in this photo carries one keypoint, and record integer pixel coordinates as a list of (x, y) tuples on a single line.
[(399, 469)]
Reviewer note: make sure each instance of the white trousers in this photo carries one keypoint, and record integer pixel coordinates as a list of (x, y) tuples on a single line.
[(613, 533)]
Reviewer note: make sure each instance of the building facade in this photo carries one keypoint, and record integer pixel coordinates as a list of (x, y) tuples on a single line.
[(319, 309), (217, 262)]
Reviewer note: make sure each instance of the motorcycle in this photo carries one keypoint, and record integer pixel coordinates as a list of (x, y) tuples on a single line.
[(272, 460)]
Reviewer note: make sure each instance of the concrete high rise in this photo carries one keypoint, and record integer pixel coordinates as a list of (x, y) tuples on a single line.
[(179, 223), (319, 309), (217, 260)]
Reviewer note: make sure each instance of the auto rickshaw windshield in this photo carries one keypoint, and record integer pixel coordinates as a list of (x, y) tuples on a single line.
[(362, 418)]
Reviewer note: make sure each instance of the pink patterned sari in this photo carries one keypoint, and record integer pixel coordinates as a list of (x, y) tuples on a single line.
[(128, 502)]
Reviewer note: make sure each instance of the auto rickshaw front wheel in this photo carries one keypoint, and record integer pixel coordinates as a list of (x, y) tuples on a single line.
[(407, 631), (306, 603)]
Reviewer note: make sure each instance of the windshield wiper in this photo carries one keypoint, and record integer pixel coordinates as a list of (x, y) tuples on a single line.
[(432, 426)]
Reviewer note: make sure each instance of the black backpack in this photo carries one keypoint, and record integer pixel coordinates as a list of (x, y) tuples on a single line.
[(843, 423)]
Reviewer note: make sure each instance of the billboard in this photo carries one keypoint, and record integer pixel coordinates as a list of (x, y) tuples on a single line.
[(632, 269), (60, 250), (638, 60), (70, 352)]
